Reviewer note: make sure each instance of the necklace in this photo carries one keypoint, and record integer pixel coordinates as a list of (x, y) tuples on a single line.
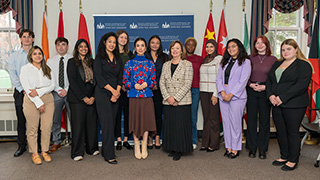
[(110, 63), (261, 59)]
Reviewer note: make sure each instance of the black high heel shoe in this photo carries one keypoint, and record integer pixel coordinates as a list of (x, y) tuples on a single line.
[(127, 145), (226, 153), (119, 146), (112, 161), (232, 155), (157, 147)]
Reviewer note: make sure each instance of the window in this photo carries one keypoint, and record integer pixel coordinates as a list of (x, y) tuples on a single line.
[(283, 26), (9, 42)]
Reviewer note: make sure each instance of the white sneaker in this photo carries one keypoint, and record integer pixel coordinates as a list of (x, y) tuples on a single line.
[(194, 146), (78, 158), (96, 153)]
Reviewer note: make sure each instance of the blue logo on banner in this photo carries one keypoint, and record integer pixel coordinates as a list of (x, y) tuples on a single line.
[(168, 27)]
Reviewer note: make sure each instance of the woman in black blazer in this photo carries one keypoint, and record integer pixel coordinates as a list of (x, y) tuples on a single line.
[(81, 98), (108, 73), (287, 90)]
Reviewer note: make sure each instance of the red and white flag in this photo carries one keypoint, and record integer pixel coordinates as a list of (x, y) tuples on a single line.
[(223, 35)]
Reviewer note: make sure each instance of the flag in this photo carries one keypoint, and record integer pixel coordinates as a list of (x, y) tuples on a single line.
[(314, 54), (61, 34), (44, 41), (208, 34), (60, 25), (223, 35), (83, 30), (245, 37)]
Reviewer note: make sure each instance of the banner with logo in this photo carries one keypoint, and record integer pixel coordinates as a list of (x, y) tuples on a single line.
[(168, 27)]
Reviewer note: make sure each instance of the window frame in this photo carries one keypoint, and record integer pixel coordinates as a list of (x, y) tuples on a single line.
[(10, 29), (301, 38)]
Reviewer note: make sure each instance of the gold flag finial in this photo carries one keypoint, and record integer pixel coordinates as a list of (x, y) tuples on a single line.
[(224, 3), (80, 6), (60, 5), (45, 6), (211, 5), (243, 5), (314, 4)]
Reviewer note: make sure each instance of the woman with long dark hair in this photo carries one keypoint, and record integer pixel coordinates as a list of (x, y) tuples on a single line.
[(82, 102), (287, 90), (209, 98), (155, 51), (108, 73), (257, 102), (139, 77), (38, 104), (233, 75), (125, 55), (175, 85)]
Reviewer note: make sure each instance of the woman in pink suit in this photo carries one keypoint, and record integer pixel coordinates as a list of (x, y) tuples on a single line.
[(233, 75)]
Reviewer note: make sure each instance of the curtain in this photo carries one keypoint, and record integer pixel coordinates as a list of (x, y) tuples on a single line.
[(287, 6), (23, 14), (261, 12), (308, 16), (4, 6)]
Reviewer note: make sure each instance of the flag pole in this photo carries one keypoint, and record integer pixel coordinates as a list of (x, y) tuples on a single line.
[(211, 3), (45, 6), (243, 138), (80, 6), (60, 5), (224, 3)]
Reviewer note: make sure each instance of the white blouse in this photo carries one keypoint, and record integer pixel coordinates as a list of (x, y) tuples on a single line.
[(208, 75), (33, 78)]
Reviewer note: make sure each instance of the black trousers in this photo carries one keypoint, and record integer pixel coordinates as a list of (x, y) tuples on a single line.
[(123, 105), (84, 129), (257, 103), (18, 101), (287, 121), (158, 108), (107, 112)]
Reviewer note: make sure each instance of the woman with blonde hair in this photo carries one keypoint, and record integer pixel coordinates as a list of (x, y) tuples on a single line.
[(175, 86), (38, 106), (287, 90)]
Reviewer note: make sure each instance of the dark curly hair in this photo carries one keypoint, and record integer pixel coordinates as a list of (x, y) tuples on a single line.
[(102, 46), (242, 55)]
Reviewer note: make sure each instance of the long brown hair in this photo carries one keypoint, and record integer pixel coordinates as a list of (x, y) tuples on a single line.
[(294, 44), (126, 46), (45, 69)]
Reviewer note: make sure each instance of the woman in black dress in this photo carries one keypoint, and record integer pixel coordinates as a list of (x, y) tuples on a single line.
[(159, 57), (108, 73), (125, 55)]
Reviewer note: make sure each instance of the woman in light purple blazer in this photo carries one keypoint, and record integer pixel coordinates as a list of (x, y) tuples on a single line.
[(233, 75)]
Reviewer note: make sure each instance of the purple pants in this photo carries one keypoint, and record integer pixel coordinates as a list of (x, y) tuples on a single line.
[(232, 113)]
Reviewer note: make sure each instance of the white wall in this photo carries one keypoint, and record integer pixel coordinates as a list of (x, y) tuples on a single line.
[(200, 9)]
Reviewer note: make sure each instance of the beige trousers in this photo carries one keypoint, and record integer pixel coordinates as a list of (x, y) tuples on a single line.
[(33, 116)]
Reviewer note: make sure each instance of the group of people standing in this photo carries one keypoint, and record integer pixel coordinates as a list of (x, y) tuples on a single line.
[(159, 94)]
